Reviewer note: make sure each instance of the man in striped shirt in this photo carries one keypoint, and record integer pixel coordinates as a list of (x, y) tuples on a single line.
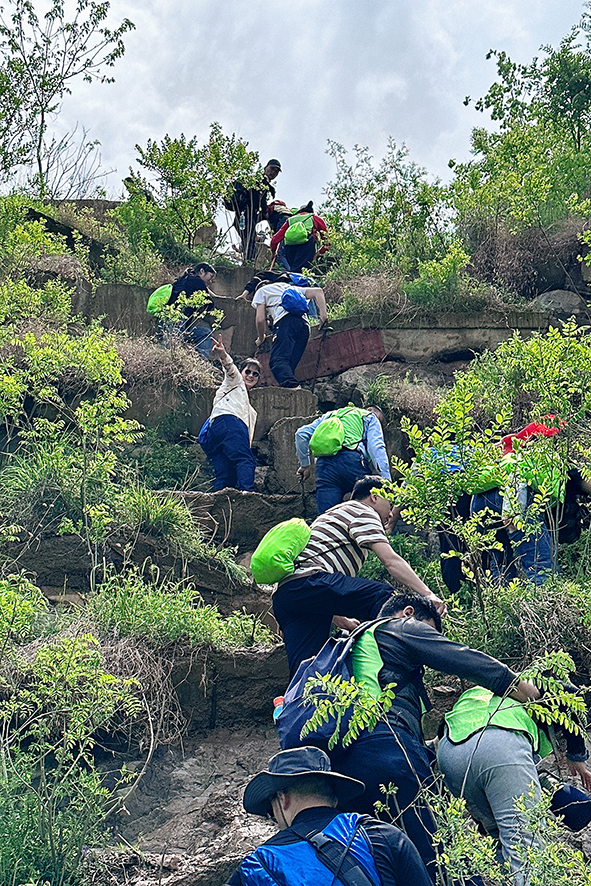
[(324, 587)]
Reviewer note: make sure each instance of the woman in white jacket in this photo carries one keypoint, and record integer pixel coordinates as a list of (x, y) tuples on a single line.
[(228, 440)]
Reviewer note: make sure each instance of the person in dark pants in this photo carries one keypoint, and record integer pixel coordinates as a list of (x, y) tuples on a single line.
[(395, 751), (193, 326), (363, 452), (228, 439), (324, 588), (301, 234), (315, 841), (250, 207), (291, 330)]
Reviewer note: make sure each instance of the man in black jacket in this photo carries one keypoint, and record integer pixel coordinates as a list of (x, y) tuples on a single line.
[(395, 751), (250, 206), (301, 792)]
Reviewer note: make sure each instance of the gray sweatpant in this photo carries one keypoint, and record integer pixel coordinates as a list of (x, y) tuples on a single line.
[(490, 771)]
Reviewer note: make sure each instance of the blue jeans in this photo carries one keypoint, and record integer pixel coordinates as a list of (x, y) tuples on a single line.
[(491, 770), (391, 754), (532, 554), (336, 475), (291, 337), (199, 336), (228, 448), (304, 608)]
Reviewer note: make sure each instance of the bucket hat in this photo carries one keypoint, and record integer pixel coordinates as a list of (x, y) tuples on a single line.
[(288, 765)]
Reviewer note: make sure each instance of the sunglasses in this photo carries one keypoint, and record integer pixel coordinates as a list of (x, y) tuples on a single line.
[(252, 372)]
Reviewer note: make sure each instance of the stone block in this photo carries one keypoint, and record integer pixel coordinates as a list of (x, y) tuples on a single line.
[(562, 303), (273, 403), (238, 325), (282, 477), (240, 518)]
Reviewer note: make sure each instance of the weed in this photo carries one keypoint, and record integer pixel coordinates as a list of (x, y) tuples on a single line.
[(128, 606)]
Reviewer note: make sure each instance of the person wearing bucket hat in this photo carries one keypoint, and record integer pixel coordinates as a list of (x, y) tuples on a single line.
[(488, 755), (316, 843)]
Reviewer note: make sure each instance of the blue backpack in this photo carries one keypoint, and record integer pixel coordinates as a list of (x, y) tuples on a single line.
[(334, 658), (294, 302), (341, 853)]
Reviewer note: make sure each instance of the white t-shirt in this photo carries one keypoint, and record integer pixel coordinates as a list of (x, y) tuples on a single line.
[(270, 296), (231, 398)]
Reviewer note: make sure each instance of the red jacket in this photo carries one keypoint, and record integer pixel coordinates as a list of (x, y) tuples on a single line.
[(318, 228), (533, 429)]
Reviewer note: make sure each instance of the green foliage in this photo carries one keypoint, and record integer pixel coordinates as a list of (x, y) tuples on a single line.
[(129, 606), (21, 603), (529, 173), (41, 57), (546, 374), (145, 511), (444, 283), (382, 215), (164, 465), (547, 856), (332, 696), (52, 800), (524, 622), (190, 182)]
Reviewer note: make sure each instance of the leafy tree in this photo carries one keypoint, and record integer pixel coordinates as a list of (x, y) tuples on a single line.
[(382, 215), (41, 57), (529, 173), (184, 187)]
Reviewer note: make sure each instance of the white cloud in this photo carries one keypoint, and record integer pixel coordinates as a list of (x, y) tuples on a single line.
[(289, 74)]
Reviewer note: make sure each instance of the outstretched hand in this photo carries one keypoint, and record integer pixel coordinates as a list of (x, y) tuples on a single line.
[(580, 769), (218, 351)]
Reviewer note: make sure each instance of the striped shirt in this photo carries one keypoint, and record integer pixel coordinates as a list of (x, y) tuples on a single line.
[(341, 540)]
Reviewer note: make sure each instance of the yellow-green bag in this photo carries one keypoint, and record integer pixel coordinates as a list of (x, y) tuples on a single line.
[(277, 550)]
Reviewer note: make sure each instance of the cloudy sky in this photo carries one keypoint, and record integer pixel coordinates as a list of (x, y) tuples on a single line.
[(287, 75)]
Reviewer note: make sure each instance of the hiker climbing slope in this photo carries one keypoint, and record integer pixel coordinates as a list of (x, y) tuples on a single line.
[(286, 306), (301, 234), (341, 461)]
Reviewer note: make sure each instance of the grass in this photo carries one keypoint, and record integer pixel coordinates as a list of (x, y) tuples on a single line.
[(128, 606)]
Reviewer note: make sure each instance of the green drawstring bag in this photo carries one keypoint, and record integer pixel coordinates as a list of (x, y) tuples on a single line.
[(158, 299), (275, 555), (328, 437)]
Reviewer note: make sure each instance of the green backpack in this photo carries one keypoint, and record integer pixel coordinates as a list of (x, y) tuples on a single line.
[(158, 299), (341, 430), (299, 228), (275, 555)]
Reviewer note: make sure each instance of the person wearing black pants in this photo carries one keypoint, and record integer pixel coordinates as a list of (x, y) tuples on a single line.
[(291, 337), (291, 330)]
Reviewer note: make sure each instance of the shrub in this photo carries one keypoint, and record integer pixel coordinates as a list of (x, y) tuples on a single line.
[(128, 606), (52, 801), (21, 604)]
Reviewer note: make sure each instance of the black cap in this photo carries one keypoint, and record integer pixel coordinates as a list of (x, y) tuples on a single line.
[(275, 163), (284, 767)]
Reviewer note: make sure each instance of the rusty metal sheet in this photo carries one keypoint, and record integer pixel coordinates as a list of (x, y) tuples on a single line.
[(335, 353)]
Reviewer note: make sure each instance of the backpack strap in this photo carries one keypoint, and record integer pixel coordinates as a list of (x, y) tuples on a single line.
[(336, 857)]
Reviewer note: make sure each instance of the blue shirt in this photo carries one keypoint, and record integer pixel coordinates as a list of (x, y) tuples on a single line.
[(372, 444)]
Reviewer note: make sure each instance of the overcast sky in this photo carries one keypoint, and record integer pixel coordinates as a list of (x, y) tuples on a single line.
[(286, 75)]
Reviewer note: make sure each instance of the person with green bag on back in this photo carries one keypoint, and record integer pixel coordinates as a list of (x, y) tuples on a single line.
[(348, 444), (301, 234)]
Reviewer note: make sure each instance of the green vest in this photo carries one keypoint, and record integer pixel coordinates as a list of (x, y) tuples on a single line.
[(478, 709), (367, 662), (352, 420)]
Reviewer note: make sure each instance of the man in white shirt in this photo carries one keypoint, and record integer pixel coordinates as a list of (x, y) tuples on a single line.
[(291, 330)]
